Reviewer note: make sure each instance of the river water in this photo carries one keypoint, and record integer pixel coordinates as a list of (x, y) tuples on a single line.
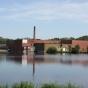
[(43, 68)]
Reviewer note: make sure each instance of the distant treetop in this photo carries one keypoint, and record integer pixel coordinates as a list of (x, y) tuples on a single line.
[(3, 40), (72, 38)]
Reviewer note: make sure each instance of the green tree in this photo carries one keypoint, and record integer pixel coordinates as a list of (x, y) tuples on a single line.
[(72, 38), (70, 48), (82, 38), (52, 50), (87, 49), (55, 39), (76, 49), (65, 38)]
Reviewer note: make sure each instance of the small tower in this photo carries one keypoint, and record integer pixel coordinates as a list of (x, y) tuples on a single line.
[(34, 33)]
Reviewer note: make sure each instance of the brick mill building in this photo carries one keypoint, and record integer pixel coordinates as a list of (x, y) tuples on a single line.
[(43, 45)]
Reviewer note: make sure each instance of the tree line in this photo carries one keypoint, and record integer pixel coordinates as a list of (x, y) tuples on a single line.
[(72, 38), (3, 40)]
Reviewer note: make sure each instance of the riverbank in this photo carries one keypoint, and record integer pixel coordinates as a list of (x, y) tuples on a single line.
[(47, 85)]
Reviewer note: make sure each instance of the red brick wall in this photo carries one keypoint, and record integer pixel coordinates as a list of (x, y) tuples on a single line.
[(82, 43), (43, 41), (31, 42)]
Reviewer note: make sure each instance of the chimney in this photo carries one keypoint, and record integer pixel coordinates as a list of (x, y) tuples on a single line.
[(34, 32)]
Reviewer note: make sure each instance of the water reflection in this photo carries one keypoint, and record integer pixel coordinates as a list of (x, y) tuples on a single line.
[(2, 57), (14, 57), (29, 58), (43, 68)]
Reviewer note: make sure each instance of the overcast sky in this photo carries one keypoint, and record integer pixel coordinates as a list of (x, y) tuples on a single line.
[(52, 18)]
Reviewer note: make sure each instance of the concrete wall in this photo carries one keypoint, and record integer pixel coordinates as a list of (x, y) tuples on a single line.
[(3, 46), (58, 46), (65, 47), (46, 46)]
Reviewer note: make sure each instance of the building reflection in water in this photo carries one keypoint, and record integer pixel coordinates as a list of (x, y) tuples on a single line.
[(30, 58), (2, 57), (14, 57), (24, 59)]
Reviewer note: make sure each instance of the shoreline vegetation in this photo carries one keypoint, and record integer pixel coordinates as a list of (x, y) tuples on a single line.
[(75, 50), (46, 85), (85, 37)]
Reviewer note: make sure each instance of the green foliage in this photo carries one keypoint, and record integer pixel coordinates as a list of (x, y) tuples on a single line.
[(50, 85), (72, 38), (70, 48), (65, 38), (52, 50), (6, 86), (23, 85), (69, 85), (77, 47), (61, 51), (82, 38), (75, 50), (3, 40), (87, 49), (46, 85), (1, 86), (55, 39)]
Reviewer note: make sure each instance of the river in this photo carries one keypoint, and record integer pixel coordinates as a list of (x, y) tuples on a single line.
[(44, 68)]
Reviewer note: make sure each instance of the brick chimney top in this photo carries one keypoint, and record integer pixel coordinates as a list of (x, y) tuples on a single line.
[(34, 33)]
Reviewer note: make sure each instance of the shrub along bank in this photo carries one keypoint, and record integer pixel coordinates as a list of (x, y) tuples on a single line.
[(74, 50), (47, 85), (52, 50)]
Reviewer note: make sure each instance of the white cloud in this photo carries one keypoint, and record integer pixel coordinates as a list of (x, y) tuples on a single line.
[(2, 9), (48, 11)]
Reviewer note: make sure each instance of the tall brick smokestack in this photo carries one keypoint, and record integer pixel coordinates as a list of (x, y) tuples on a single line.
[(34, 33)]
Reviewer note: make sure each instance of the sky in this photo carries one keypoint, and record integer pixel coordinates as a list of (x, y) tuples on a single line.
[(52, 18)]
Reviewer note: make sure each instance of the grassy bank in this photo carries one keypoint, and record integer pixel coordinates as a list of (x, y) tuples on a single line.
[(47, 85)]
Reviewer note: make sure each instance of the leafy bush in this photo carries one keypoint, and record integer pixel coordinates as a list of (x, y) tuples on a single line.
[(23, 85), (52, 50), (5, 86), (75, 50), (46, 85), (50, 85), (70, 48), (87, 49)]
